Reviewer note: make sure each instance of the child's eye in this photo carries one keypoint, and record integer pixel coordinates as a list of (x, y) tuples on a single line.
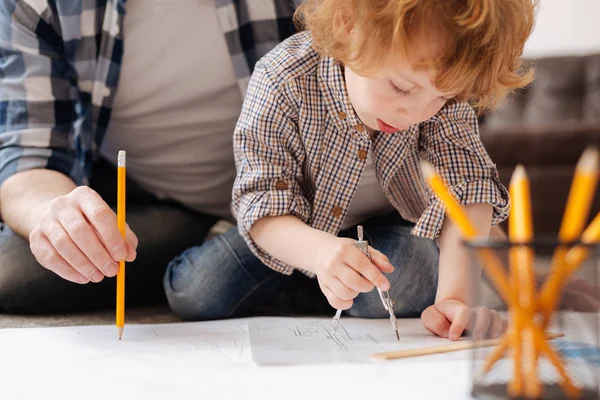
[(397, 89)]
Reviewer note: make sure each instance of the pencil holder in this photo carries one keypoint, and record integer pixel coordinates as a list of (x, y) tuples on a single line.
[(540, 299)]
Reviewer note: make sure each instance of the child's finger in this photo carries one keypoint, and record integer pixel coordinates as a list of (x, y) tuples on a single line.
[(342, 291), (335, 301), (353, 279), (482, 319), (496, 325), (459, 314), (435, 322), (361, 264), (380, 260), (460, 321), (579, 301), (581, 285)]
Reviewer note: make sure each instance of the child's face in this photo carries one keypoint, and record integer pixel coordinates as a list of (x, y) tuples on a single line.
[(395, 98)]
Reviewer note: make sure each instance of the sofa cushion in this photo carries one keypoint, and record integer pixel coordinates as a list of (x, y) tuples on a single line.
[(565, 89)]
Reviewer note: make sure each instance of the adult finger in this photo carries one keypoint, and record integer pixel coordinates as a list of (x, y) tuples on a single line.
[(49, 258), (104, 221), (68, 250), (132, 244), (84, 237)]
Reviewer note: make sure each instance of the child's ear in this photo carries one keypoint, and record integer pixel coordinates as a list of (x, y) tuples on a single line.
[(343, 26)]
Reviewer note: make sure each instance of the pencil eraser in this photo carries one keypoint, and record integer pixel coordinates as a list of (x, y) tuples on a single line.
[(121, 158)]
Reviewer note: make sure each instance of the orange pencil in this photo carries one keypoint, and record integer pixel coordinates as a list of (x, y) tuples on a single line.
[(576, 213), (550, 292), (121, 171), (520, 230)]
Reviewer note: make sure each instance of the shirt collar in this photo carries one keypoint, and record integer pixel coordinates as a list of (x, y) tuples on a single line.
[(333, 85)]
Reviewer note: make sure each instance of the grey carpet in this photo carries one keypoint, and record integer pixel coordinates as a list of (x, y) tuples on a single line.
[(150, 315)]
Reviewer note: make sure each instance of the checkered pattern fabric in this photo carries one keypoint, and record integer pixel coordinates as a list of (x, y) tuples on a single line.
[(300, 150), (60, 63)]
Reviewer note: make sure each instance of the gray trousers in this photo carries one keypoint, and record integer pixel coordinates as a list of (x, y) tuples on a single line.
[(164, 231)]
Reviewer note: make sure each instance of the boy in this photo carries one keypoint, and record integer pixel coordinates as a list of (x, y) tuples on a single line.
[(334, 124)]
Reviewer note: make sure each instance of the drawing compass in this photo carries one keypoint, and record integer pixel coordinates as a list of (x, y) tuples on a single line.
[(388, 304)]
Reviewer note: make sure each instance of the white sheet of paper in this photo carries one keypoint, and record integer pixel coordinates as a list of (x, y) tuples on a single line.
[(213, 360), (212, 343), (208, 360), (293, 341)]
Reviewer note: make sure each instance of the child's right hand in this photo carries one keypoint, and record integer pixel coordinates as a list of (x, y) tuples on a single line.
[(343, 271)]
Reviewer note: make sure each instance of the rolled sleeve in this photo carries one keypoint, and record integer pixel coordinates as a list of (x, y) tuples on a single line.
[(268, 155), (16, 159), (450, 141), (37, 98)]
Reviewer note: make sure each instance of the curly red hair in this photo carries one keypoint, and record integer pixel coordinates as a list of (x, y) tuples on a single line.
[(478, 42)]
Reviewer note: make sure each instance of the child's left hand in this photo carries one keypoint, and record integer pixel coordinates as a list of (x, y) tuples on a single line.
[(451, 318)]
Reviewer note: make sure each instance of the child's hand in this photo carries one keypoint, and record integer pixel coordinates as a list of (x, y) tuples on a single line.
[(343, 271), (450, 319)]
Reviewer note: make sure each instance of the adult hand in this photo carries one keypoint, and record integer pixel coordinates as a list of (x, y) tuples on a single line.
[(78, 238)]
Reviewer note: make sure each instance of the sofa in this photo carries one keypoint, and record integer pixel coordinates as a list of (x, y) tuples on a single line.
[(546, 126)]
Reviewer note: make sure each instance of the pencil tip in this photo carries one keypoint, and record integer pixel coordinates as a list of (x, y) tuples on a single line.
[(589, 159), (519, 173), (120, 333)]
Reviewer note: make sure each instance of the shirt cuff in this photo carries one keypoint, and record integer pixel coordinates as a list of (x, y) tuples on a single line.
[(17, 159), (477, 191), (276, 202)]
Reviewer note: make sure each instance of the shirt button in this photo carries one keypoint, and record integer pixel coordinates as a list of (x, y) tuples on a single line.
[(281, 185), (362, 155), (359, 128), (336, 211), (342, 115)]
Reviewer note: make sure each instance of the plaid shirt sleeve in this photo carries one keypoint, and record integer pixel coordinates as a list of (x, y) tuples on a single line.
[(37, 94), (268, 156), (450, 141)]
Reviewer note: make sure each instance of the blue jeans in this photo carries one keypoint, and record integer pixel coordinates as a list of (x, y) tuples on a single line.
[(164, 231), (223, 279)]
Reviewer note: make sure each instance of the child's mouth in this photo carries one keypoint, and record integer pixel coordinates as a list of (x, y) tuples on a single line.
[(383, 127)]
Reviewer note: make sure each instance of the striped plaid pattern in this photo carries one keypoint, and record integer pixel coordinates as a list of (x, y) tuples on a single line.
[(59, 68), (298, 146)]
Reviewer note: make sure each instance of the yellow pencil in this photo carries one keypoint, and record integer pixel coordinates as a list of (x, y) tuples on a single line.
[(121, 171), (520, 230), (549, 297), (494, 268), (492, 264), (576, 213), (580, 197), (578, 254)]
